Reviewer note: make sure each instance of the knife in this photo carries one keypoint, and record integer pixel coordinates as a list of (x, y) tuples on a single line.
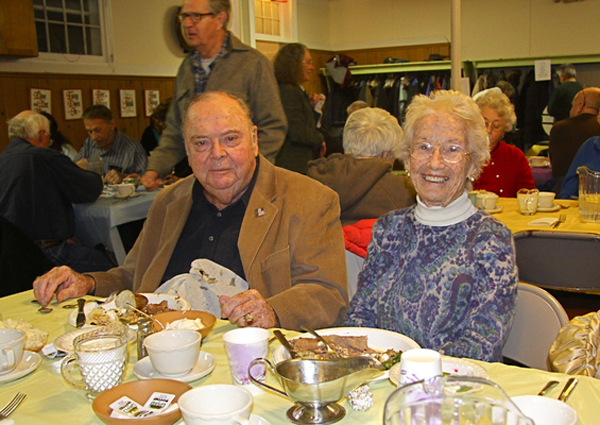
[(80, 321)]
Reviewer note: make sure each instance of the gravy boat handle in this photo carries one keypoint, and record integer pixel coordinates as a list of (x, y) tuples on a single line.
[(262, 384)]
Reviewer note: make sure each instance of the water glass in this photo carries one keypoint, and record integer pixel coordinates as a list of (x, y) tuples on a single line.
[(100, 356), (528, 201)]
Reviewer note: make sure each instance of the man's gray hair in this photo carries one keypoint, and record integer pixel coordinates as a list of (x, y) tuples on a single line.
[(567, 70), (217, 6), (372, 132), (28, 125)]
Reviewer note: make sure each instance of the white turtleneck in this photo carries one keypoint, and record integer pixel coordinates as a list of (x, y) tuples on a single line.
[(459, 210)]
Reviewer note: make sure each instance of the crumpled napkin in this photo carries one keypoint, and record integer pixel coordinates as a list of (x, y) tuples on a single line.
[(204, 284), (545, 221)]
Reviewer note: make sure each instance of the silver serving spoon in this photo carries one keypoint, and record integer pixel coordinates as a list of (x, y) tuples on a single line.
[(284, 341), (548, 387)]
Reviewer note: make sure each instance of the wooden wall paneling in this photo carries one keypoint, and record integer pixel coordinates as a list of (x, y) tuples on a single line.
[(3, 118)]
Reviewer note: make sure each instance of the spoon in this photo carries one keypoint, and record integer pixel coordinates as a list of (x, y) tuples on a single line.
[(283, 340), (568, 389), (143, 313), (548, 387)]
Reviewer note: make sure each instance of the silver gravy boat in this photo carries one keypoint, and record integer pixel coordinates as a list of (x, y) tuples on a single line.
[(315, 386)]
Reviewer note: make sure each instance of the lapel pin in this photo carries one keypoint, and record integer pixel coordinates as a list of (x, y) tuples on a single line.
[(260, 212)]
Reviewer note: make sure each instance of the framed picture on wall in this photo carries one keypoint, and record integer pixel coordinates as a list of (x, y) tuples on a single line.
[(127, 102), (73, 104), (101, 97), (151, 100), (40, 100)]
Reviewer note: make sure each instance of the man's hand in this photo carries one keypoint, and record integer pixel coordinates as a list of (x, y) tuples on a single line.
[(248, 308), (114, 177), (150, 180), (82, 163), (65, 282)]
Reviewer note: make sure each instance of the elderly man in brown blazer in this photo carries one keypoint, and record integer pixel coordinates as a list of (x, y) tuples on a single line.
[(283, 233)]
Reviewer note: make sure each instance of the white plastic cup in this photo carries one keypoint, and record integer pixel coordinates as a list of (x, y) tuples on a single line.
[(419, 364), (244, 345)]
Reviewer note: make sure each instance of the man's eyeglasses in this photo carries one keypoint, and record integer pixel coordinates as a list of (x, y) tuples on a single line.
[(450, 153), (496, 125), (196, 17)]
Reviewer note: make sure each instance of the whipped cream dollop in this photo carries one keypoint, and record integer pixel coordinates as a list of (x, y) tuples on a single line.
[(186, 324)]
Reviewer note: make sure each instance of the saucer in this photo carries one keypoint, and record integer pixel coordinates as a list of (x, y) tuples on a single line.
[(553, 208), (29, 363), (254, 420), (143, 369), (494, 210), (133, 195)]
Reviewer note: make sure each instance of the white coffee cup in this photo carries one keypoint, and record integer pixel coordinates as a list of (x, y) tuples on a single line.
[(11, 349), (244, 345), (125, 189), (487, 200), (173, 352), (546, 199), (419, 364), (546, 410), (216, 405)]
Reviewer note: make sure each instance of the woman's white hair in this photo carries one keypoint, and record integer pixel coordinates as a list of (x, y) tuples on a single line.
[(372, 132), (455, 105), (494, 99), (28, 125)]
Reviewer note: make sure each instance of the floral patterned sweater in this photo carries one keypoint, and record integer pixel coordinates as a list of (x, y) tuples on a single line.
[(450, 288)]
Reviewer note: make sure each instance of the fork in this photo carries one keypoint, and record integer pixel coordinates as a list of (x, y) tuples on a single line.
[(12, 405), (561, 219), (331, 352)]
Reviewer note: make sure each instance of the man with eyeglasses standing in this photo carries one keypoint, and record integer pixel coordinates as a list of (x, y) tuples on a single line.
[(37, 189), (219, 61)]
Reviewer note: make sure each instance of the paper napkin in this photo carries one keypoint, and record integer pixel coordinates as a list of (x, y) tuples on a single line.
[(546, 221)]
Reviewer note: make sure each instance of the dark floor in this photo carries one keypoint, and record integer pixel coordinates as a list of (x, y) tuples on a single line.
[(576, 303)]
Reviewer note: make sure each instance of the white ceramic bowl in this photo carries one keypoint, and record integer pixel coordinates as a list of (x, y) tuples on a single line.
[(546, 410), (216, 405), (173, 353)]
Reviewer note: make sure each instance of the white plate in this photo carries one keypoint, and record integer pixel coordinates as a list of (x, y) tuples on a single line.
[(254, 420), (379, 339), (553, 208), (143, 369), (174, 302), (451, 366), (30, 362), (64, 342), (494, 210), (133, 195)]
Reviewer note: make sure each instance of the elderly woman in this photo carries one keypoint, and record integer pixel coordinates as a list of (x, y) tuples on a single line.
[(441, 272), (303, 142), (362, 177), (508, 170)]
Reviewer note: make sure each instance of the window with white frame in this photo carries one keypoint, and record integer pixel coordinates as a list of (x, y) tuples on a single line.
[(69, 26), (273, 20)]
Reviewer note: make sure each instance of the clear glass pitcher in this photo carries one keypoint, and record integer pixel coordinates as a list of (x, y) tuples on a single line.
[(452, 400), (589, 194)]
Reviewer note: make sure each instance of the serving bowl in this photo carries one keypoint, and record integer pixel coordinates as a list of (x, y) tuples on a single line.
[(140, 391), (208, 319)]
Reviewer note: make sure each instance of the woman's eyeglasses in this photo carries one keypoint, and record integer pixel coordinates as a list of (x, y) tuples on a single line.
[(450, 153)]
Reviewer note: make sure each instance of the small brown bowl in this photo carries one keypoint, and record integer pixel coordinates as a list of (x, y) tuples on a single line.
[(140, 391), (170, 316)]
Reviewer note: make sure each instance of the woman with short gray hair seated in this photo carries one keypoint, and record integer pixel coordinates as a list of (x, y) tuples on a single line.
[(362, 176), (441, 272)]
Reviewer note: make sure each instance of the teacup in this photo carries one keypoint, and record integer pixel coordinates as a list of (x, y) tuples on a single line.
[(132, 180), (125, 189), (487, 200), (419, 364), (100, 356), (546, 199), (173, 352), (538, 161), (528, 201), (11, 349), (216, 405)]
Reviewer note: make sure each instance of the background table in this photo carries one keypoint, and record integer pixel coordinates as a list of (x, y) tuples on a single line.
[(51, 401), (97, 222)]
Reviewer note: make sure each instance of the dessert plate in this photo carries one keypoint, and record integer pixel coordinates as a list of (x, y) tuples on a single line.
[(143, 369), (450, 366), (553, 208)]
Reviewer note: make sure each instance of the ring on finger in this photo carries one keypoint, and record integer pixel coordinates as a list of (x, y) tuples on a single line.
[(249, 318)]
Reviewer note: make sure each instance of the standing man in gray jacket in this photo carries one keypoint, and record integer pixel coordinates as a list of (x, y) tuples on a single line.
[(219, 61)]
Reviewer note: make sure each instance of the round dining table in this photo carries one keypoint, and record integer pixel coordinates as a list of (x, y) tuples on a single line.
[(50, 400)]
